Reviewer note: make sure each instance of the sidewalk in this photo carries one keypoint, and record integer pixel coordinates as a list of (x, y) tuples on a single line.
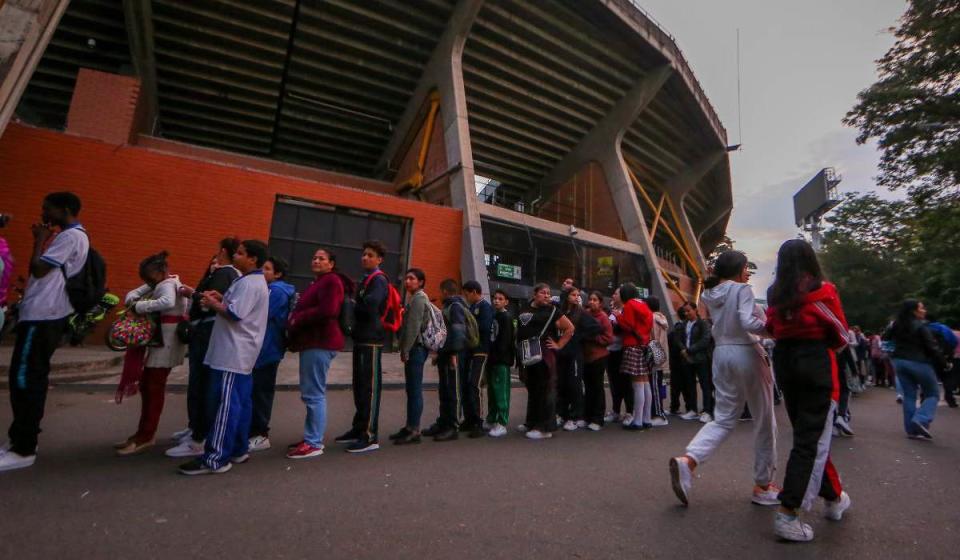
[(97, 365)]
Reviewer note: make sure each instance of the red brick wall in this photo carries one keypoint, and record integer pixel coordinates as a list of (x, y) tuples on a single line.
[(137, 201), (105, 106)]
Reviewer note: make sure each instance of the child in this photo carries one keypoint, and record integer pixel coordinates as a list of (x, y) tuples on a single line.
[(449, 362), (501, 356), (238, 334)]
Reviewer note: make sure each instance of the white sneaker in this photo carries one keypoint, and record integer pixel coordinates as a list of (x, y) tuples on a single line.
[(259, 443), (790, 528), (627, 419), (843, 426), (570, 426), (681, 478), (522, 428), (611, 417), (5, 447), (689, 415), (179, 435), (770, 496), (10, 461), (581, 423), (497, 430), (706, 418), (537, 434), (594, 427), (835, 509), (657, 421), (186, 449)]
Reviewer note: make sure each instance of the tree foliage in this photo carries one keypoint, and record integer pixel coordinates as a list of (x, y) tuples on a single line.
[(913, 110)]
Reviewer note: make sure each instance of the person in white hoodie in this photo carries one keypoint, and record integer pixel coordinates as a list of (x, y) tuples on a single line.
[(741, 374)]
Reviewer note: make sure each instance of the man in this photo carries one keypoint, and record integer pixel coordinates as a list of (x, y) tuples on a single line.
[(568, 284), (238, 333), (43, 317), (449, 362), (696, 340), (502, 353), (475, 368), (369, 336), (948, 343)]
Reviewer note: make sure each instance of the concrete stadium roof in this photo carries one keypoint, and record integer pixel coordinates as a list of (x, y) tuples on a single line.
[(324, 83)]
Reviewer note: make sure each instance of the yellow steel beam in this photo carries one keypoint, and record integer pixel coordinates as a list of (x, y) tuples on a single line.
[(656, 217), (415, 181), (666, 228)]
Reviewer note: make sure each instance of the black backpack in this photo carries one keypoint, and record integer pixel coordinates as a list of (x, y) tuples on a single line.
[(87, 287)]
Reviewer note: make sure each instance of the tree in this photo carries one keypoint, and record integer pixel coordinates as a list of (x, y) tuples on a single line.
[(914, 109), (726, 244)]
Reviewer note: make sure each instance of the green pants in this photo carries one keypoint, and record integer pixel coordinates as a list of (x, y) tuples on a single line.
[(498, 394)]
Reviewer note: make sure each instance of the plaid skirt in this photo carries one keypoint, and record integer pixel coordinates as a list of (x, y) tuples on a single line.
[(637, 360)]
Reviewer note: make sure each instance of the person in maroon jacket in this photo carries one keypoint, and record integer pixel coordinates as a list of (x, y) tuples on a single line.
[(806, 319), (595, 363), (314, 330)]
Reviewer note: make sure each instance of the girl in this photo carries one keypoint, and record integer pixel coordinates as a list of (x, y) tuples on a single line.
[(636, 323), (595, 357), (570, 364), (806, 319), (740, 375), (158, 294), (413, 354), (620, 391)]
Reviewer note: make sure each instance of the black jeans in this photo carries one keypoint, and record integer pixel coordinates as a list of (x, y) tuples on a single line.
[(264, 386), (472, 377), (448, 389), (541, 381), (29, 377), (367, 381), (807, 375), (704, 374), (949, 380), (570, 386), (595, 402), (620, 390), (198, 382)]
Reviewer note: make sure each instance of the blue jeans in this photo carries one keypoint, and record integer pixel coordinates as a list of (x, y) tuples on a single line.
[(413, 377), (912, 374), (230, 431), (314, 365)]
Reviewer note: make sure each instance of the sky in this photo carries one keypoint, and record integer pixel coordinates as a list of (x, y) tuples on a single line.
[(802, 65)]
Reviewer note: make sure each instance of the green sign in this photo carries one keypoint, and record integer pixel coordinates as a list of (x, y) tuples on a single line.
[(508, 271)]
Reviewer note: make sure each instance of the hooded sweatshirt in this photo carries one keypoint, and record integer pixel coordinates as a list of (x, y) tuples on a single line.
[(274, 341), (635, 322), (736, 317), (315, 321), (818, 317)]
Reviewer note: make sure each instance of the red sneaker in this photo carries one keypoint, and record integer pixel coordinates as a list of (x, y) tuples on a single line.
[(304, 451)]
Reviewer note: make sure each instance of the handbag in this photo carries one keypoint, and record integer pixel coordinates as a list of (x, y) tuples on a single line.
[(531, 350), (131, 330), (184, 331)]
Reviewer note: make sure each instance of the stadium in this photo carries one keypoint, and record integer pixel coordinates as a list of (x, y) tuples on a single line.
[(507, 141)]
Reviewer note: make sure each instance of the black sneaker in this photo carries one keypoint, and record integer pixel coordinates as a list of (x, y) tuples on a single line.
[(449, 434), (633, 428), (408, 439), (476, 432), (363, 446), (404, 432), (350, 436), (197, 466), (432, 430)]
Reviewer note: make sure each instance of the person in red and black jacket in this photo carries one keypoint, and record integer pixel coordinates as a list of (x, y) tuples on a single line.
[(806, 319)]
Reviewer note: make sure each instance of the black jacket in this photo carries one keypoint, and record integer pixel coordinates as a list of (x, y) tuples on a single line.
[(916, 343), (502, 346), (218, 280), (371, 303), (701, 340)]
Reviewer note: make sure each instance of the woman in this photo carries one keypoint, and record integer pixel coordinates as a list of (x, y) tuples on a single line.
[(741, 375), (915, 353), (158, 294), (218, 278), (538, 325), (620, 391), (595, 355), (636, 323), (570, 363), (660, 333), (313, 329), (413, 354), (806, 319)]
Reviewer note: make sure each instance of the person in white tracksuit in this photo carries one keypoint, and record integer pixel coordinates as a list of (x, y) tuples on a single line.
[(741, 374)]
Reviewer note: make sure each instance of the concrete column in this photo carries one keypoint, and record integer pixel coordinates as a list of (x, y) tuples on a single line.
[(26, 27), (444, 72), (718, 214)]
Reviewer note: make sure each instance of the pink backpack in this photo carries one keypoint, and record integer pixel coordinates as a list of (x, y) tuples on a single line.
[(7, 277)]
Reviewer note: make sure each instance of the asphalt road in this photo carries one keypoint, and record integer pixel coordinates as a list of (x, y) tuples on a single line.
[(580, 495)]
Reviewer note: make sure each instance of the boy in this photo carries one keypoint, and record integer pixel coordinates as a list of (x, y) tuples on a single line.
[(501, 355), (238, 333), (449, 361), (43, 317), (369, 336), (475, 367)]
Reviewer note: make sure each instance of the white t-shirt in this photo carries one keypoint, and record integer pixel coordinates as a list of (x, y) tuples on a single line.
[(236, 341), (45, 299)]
